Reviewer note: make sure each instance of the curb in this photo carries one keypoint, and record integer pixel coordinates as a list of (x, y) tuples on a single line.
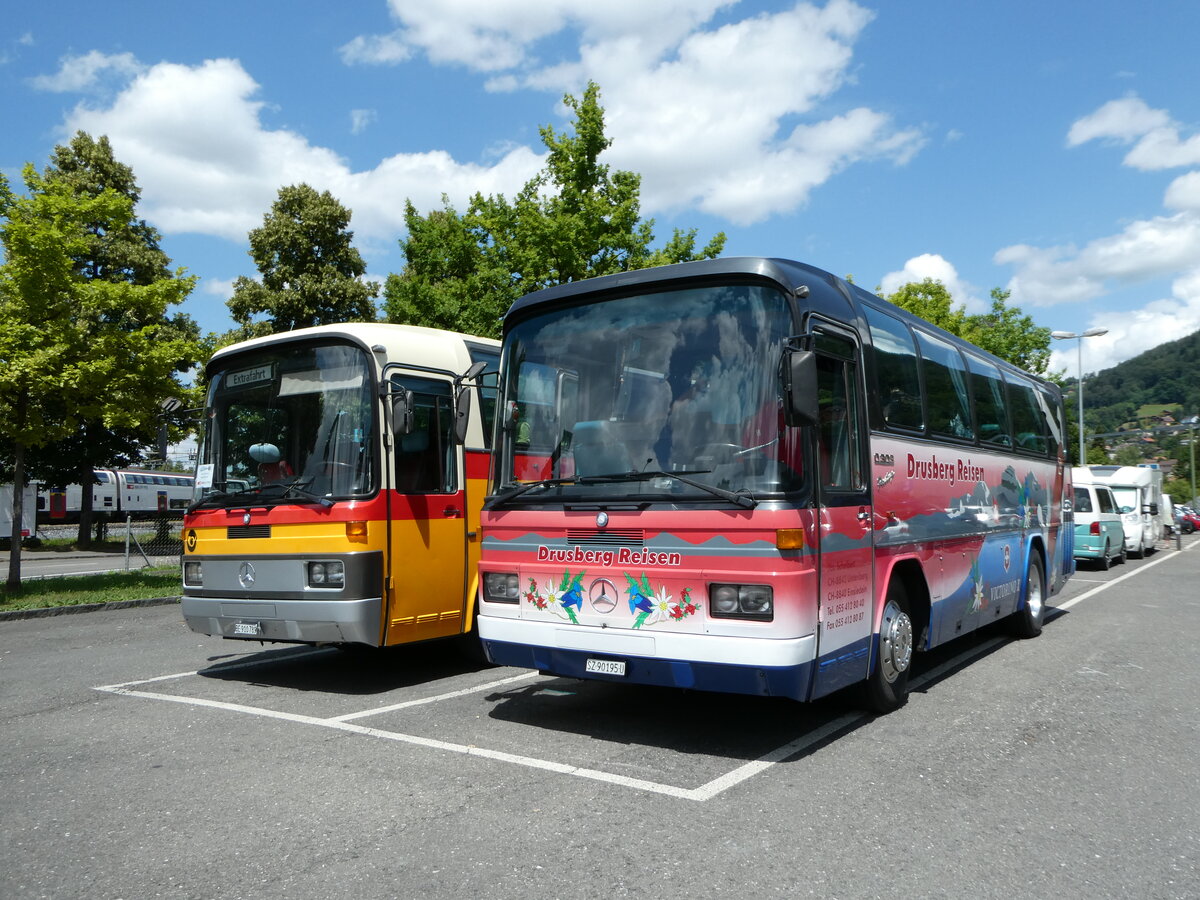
[(46, 611)]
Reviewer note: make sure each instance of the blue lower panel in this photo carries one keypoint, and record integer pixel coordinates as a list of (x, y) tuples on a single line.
[(724, 678), (843, 668)]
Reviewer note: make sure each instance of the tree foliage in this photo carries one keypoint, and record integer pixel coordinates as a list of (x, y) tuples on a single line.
[(575, 219), (76, 349), (1004, 330), (311, 272), (120, 251)]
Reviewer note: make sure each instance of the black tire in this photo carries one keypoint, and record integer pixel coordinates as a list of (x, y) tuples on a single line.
[(886, 688), (1122, 557), (1027, 621), (1105, 559)]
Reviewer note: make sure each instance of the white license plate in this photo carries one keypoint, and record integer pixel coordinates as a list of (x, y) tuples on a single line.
[(254, 628), (605, 666)]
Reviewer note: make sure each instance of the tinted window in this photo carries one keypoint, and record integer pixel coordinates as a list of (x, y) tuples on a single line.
[(895, 370), (1029, 424), (1083, 500), (425, 460), (991, 414), (946, 400), (1105, 498)]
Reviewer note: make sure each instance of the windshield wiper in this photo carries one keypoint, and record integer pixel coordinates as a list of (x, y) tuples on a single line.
[(520, 489), (742, 498), (249, 494), (297, 487)]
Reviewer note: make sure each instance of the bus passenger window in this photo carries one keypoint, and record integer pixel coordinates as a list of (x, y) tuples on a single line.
[(991, 412), (895, 370)]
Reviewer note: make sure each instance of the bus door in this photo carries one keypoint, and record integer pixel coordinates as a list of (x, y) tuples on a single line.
[(845, 516), (427, 518)]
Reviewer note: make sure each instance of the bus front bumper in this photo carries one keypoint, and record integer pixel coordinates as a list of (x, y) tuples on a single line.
[(780, 667), (286, 621)]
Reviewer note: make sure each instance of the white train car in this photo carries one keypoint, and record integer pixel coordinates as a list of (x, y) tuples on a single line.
[(118, 493)]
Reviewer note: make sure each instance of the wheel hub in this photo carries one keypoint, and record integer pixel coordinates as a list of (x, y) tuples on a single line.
[(895, 642)]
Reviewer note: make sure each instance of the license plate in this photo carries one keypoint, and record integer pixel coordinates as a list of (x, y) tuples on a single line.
[(605, 666), (254, 628)]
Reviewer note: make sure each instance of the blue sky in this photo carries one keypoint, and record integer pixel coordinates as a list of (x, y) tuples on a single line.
[(1051, 148)]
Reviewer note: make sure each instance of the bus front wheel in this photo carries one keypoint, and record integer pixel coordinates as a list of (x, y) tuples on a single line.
[(886, 688)]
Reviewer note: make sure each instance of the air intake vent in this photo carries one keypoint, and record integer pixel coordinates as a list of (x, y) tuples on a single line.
[(609, 537), (245, 532)]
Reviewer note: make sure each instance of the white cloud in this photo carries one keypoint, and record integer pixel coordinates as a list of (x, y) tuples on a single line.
[(494, 35), (718, 118), (211, 166), (360, 119), (1131, 332), (1144, 250), (932, 265), (1184, 193), (86, 72), (1154, 135)]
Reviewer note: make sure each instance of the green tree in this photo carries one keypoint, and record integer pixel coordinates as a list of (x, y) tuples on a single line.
[(1004, 330), (931, 300), (1010, 334), (126, 251), (311, 272), (67, 353), (575, 219)]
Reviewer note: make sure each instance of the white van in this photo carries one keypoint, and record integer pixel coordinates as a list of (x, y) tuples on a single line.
[(1138, 491), (1099, 530)]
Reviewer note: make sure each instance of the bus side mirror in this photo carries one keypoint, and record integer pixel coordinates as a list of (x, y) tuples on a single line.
[(462, 414), (800, 387), (1154, 509), (402, 411)]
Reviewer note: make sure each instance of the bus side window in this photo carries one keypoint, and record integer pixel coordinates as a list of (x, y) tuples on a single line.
[(425, 456), (991, 411), (837, 432)]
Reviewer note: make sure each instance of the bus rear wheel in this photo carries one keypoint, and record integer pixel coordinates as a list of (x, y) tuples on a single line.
[(886, 688), (1027, 621)]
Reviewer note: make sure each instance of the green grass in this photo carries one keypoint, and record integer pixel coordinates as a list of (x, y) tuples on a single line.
[(74, 590)]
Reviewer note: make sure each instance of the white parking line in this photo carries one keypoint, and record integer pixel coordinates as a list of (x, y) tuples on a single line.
[(701, 794)]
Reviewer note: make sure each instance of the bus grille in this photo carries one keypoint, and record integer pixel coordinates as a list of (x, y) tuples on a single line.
[(633, 537), (243, 532)]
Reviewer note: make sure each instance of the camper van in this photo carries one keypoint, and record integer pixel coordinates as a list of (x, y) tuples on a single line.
[(1099, 524), (1138, 491)]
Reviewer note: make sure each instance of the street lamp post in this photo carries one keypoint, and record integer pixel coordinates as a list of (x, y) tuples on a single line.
[(1071, 335), (1191, 424)]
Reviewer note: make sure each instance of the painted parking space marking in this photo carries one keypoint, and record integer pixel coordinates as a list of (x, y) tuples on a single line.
[(346, 723)]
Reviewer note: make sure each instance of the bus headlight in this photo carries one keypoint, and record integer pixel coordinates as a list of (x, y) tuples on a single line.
[(327, 574), (501, 587), (193, 574), (741, 601)]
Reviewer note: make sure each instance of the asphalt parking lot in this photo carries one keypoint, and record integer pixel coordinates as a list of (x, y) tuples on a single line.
[(143, 760)]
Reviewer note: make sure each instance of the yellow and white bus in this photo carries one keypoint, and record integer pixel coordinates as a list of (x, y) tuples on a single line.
[(339, 478)]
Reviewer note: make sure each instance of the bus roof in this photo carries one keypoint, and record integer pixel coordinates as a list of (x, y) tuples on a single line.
[(410, 343), (826, 293)]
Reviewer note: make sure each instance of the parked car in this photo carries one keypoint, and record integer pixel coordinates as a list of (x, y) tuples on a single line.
[(1099, 532), (1187, 520)]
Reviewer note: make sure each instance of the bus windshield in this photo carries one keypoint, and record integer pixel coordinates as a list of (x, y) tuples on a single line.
[(288, 424), (672, 395)]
